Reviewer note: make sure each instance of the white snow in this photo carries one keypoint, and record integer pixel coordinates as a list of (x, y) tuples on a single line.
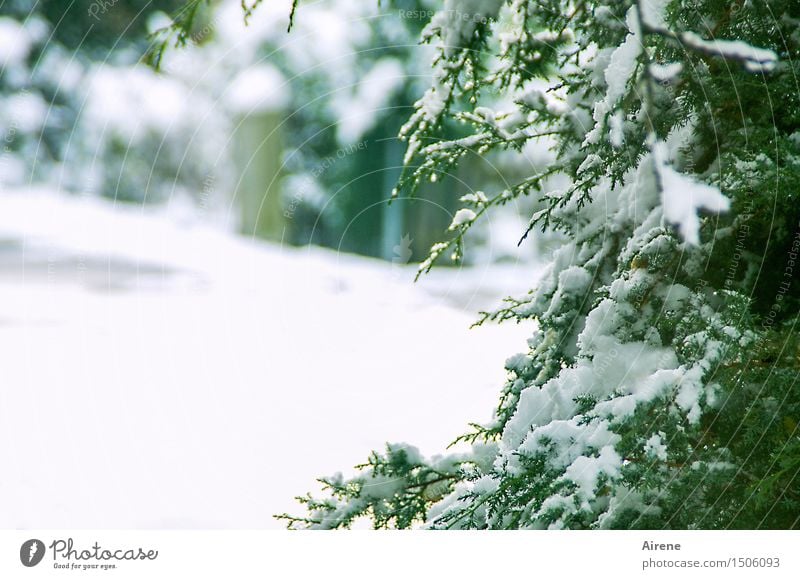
[(434, 100), (573, 281), (159, 374), (478, 198), (259, 88), (358, 110), (682, 197), (655, 447), (755, 59), (462, 217), (617, 74), (616, 126), (665, 72), (623, 61), (133, 100), (653, 12), (459, 18), (27, 111), (585, 471), (455, 24), (15, 43)]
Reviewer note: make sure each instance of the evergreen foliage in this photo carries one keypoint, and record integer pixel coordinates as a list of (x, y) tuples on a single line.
[(659, 389)]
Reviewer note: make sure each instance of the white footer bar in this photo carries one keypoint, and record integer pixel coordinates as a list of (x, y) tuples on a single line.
[(243, 554)]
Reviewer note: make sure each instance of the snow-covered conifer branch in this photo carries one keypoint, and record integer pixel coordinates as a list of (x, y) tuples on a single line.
[(658, 387)]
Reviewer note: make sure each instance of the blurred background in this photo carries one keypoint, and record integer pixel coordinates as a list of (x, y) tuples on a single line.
[(207, 300), (288, 137)]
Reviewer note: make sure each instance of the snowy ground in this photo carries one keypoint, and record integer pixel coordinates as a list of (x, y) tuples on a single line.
[(158, 374)]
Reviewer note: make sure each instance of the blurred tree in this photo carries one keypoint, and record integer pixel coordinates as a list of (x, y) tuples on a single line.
[(95, 26)]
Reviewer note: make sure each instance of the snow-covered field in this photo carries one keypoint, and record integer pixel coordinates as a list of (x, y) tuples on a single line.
[(159, 373)]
